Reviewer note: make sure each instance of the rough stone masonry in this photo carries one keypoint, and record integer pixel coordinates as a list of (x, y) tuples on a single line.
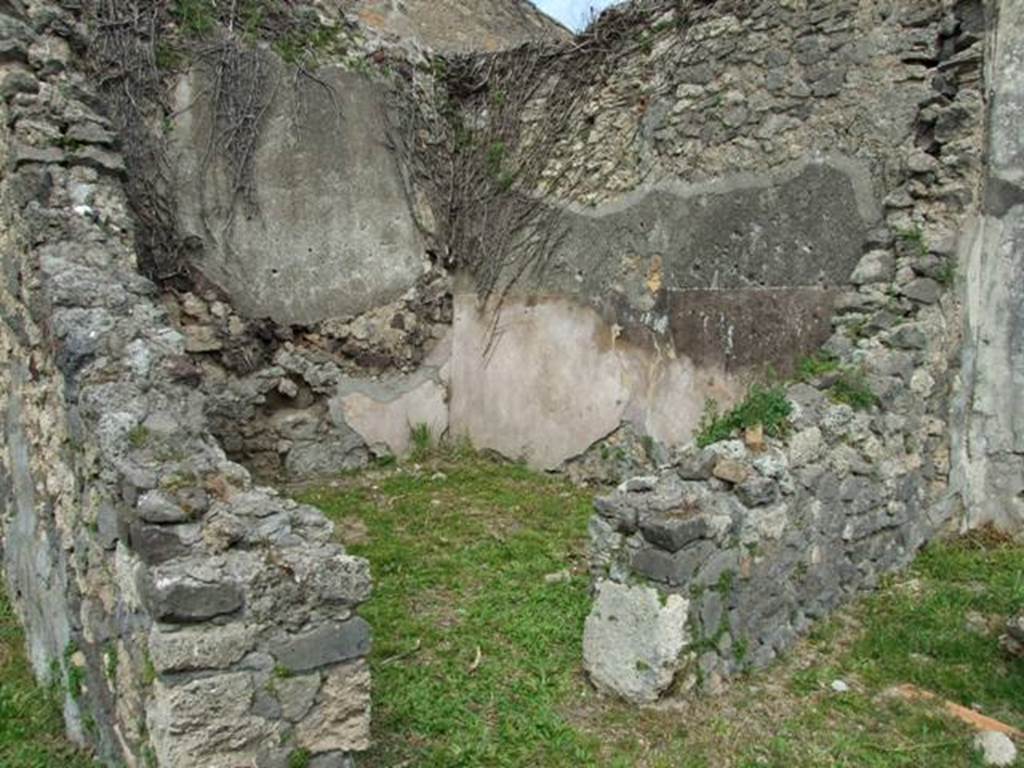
[(737, 185), (188, 616), (721, 560)]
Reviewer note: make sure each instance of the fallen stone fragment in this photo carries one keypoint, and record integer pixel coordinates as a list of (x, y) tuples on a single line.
[(996, 748), (633, 643), (731, 471)]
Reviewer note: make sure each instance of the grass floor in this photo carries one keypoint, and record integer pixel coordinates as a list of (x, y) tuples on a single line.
[(479, 603), (480, 598), (31, 724)]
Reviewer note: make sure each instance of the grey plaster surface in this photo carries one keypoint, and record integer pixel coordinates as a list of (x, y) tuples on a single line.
[(332, 233)]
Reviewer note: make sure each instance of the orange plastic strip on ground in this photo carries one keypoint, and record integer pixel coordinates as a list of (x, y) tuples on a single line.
[(969, 716)]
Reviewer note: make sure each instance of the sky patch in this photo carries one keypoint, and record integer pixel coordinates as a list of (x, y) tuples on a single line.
[(573, 13)]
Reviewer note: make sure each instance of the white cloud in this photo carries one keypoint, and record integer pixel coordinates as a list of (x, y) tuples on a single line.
[(573, 13)]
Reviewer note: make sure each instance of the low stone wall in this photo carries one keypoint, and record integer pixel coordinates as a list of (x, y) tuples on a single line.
[(719, 563), (189, 617)]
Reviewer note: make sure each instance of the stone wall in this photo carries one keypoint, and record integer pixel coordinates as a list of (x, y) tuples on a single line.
[(727, 555), (188, 616), (725, 171), (989, 420), (460, 25), (727, 168)]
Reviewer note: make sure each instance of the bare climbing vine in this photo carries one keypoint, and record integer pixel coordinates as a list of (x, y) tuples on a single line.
[(510, 114), (503, 117), (124, 58), (140, 45), (507, 119)]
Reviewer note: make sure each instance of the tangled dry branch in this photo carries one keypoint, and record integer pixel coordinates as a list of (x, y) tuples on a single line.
[(124, 59), (138, 47)]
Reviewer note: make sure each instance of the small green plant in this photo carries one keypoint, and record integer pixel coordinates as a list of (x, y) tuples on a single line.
[(766, 406), (421, 440), (725, 583), (741, 650), (299, 758), (75, 674), (148, 670), (818, 364), (947, 274), (196, 18), (495, 157), (139, 436), (282, 672), (505, 180), (914, 239), (111, 660), (853, 389)]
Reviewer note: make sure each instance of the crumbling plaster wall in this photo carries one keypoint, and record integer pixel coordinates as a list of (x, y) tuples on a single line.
[(187, 616)]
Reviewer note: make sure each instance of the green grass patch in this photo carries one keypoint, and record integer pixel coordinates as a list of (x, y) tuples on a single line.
[(938, 630), (765, 406), (477, 658), (474, 651), (31, 724)]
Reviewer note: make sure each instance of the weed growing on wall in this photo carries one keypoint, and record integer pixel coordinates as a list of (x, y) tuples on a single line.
[(763, 406), (853, 389), (816, 365), (850, 385), (914, 240)]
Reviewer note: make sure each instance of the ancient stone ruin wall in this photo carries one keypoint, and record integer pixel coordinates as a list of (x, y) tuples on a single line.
[(719, 174), (188, 616), (736, 185), (726, 169), (720, 561)]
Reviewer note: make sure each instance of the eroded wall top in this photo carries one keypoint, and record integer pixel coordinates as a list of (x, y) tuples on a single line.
[(461, 25)]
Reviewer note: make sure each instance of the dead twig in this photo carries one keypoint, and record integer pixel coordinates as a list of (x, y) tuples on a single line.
[(404, 655)]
